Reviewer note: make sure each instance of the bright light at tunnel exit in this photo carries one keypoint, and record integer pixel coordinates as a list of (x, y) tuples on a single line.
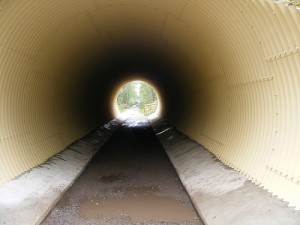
[(136, 99)]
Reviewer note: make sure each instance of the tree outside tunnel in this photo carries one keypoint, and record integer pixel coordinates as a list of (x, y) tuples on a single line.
[(137, 94)]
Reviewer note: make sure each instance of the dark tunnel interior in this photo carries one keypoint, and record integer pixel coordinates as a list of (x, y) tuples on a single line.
[(103, 73)]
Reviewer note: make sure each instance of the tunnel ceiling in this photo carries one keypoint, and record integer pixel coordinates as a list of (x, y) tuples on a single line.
[(234, 63)]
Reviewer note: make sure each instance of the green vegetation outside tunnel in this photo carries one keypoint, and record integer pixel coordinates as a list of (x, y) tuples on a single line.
[(138, 94)]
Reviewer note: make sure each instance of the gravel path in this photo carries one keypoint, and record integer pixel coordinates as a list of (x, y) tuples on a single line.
[(129, 181)]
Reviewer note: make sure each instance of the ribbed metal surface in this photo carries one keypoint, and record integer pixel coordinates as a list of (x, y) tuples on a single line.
[(245, 99)]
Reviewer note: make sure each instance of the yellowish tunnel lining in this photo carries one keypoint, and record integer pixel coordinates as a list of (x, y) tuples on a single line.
[(243, 99)]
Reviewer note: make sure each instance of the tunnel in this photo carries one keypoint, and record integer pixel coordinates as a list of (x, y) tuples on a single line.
[(227, 74)]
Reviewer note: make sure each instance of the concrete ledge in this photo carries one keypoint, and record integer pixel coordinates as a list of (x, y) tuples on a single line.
[(221, 195), (28, 199)]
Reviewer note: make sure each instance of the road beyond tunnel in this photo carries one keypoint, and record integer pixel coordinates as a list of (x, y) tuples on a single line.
[(129, 181)]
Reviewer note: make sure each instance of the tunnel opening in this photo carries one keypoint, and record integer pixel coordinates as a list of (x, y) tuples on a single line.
[(137, 98)]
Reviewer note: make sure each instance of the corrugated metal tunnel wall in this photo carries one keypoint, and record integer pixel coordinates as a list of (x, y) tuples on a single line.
[(243, 101)]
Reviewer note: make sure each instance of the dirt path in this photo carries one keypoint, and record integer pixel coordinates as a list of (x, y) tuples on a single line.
[(129, 181)]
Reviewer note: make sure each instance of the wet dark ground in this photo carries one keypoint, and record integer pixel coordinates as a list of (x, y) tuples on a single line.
[(129, 181)]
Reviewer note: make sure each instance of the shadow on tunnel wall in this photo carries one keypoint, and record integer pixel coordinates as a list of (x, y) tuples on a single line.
[(104, 71)]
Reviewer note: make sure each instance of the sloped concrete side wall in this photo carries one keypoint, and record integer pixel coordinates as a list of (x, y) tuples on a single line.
[(27, 199), (221, 195)]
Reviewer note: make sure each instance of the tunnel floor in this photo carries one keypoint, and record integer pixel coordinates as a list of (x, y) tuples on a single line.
[(129, 181)]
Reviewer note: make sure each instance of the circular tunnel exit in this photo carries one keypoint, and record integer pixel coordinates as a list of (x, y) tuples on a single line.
[(227, 76), (137, 98)]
